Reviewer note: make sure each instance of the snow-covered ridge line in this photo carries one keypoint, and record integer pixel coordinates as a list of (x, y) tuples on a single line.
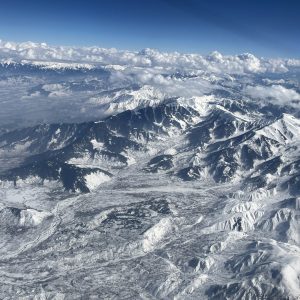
[(59, 65), (88, 56), (55, 65)]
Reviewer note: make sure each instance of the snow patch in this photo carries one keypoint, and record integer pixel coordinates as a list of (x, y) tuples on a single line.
[(157, 233), (171, 151), (31, 217), (93, 180), (97, 145)]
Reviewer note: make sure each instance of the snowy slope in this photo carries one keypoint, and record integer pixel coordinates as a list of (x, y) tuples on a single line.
[(154, 176)]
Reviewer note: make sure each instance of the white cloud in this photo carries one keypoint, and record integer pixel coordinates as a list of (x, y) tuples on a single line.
[(171, 86), (215, 62), (273, 81), (33, 95), (277, 93)]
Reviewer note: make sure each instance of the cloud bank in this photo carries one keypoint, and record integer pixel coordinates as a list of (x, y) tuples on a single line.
[(89, 56), (277, 93)]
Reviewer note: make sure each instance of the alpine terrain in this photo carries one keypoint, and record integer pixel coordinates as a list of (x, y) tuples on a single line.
[(148, 175)]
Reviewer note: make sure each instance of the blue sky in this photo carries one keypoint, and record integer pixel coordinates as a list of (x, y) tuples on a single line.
[(265, 28)]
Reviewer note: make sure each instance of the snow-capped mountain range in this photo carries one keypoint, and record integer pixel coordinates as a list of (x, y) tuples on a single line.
[(148, 175)]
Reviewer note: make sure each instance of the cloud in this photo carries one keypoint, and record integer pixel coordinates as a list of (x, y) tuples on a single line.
[(62, 95), (147, 58), (268, 81), (56, 90), (166, 83), (277, 93), (33, 95)]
